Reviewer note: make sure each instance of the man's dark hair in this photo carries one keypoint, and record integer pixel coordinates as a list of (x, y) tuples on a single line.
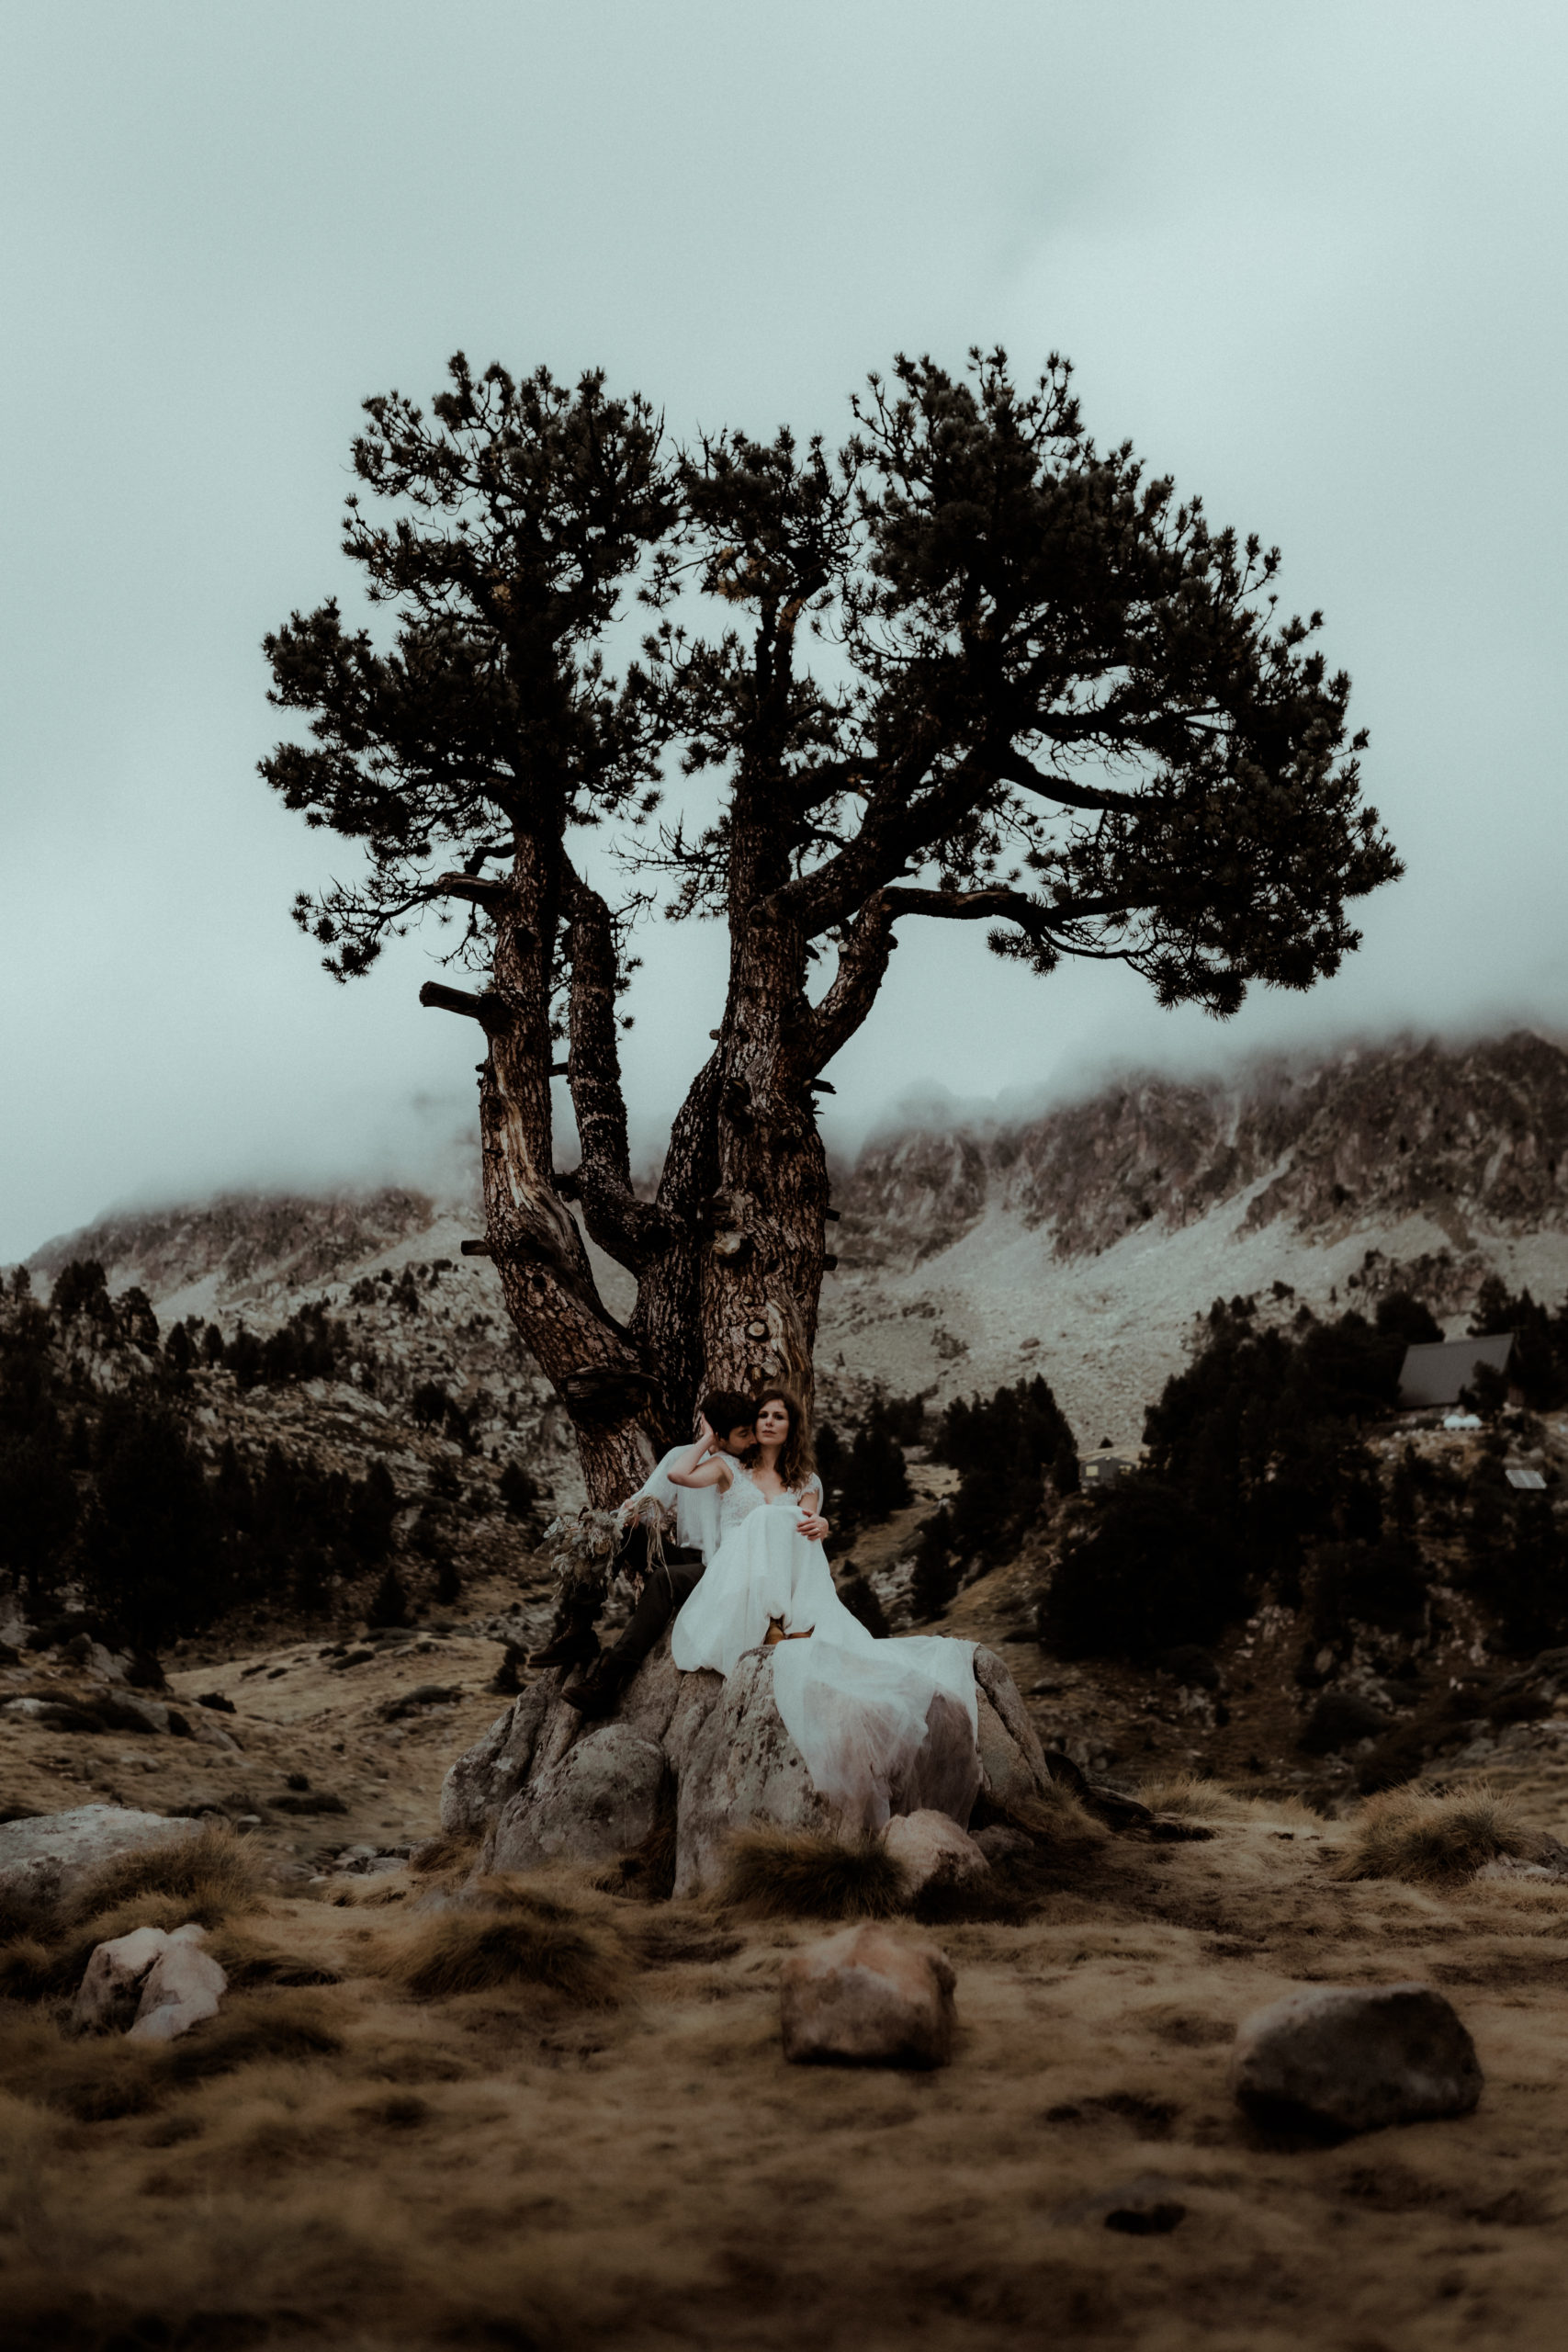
[(726, 1409)]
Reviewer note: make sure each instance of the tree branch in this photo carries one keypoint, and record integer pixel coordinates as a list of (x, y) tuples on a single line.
[(1013, 768), (632, 1231), (471, 887), (487, 1010), (863, 948)]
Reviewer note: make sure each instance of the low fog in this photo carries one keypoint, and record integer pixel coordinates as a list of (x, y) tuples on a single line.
[(1307, 265)]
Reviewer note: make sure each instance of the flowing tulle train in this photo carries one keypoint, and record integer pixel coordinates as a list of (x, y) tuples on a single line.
[(863, 1712)]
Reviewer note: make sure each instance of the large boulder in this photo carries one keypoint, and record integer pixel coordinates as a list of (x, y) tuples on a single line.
[(44, 1858), (543, 1783), (1341, 2058), (867, 1998), (600, 1799)]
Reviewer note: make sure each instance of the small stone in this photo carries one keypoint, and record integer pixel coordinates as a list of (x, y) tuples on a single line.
[(183, 1987), (868, 1997), (1000, 1844), (1347, 2058), (932, 1849), (111, 1989)]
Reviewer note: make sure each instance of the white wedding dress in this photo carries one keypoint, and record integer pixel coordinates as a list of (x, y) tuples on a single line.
[(870, 1717)]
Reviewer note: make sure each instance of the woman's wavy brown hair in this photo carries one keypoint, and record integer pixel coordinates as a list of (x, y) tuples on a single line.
[(797, 1461)]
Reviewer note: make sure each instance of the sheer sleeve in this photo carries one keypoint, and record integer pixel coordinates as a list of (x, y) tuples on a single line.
[(696, 1508)]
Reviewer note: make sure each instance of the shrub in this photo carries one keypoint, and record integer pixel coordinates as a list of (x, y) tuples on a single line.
[(389, 1602), (518, 1491), (777, 1873), (524, 1939), (150, 1555), (1431, 1839), (371, 1513), (1150, 1572), (859, 1598), (936, 1568), (211, 1872), (1003, 1449)]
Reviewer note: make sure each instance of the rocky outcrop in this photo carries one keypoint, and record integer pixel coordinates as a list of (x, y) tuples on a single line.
[(1476, 1135), (1349, 2058), (599, 1800), (868, 1997), (43, 1858), (542, 1784)]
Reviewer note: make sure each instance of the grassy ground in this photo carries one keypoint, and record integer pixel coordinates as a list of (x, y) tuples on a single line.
[(610, 2149)]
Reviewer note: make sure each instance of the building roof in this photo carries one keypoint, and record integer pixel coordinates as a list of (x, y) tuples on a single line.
[(1435, 1373), (1530, 1481)]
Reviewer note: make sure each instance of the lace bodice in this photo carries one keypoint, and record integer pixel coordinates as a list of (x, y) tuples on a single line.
[(743, 1496)]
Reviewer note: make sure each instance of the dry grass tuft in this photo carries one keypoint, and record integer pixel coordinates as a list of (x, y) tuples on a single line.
[(1187, 1798), (1057, 1819), (795, 1874), (92, 2082), (209, 1874), (29, 1970), (516, 1937), (254, 2028), (1430, 1840), (439, 1857)]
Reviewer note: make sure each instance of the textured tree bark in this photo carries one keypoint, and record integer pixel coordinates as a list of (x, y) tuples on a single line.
[(592, 1362)]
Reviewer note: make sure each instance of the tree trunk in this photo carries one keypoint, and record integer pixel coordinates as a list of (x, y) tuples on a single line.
[(592, 1362)]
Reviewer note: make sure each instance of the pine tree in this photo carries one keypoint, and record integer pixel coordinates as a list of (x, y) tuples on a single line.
[(1062, 707)]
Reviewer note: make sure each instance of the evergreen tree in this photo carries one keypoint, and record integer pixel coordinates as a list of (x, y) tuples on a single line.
[(1061, 706)]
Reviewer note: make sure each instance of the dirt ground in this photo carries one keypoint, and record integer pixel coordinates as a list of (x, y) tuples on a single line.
[(351, 2165)]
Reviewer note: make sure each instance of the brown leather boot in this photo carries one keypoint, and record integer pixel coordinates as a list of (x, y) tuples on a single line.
[(574, 1646), (599, 1692)]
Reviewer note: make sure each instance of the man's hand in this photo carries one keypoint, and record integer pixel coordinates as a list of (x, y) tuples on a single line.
[(812, 1526)]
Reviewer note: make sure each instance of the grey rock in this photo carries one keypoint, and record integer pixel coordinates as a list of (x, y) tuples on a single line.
[(1000, 1844), (108, 1996), (184, 1987), (867, 1998), (733, 1763), (598, 1800), (740, 1769), (43, 1858), (490, 1772), (931, 1850), (1013, 1762), (1353, 2058)]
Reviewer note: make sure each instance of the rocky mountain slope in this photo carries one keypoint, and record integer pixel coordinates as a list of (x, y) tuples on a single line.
[(1079, 1243)]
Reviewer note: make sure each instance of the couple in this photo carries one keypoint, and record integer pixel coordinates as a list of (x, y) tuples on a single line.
[(749, 1573)]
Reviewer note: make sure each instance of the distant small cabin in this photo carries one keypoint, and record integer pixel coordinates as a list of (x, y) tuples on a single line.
[(1104, 1469), (1434, 1373), (1529, 1482)]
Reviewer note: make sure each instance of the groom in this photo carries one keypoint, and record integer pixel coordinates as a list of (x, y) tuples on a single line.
[(664, 1583)]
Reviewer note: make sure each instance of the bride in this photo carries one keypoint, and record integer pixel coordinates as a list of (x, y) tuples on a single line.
[(876, 1720)]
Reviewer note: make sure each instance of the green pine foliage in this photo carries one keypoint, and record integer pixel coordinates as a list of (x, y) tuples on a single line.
[(867, 1480), (103, 1485), (1012, 1452), (1538, 1365), (1255, 1460)]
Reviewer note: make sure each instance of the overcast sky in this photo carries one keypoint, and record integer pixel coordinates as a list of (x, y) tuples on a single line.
[(1310, 260)]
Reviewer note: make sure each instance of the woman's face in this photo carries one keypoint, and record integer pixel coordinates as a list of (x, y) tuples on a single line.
[(772, 1422)]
